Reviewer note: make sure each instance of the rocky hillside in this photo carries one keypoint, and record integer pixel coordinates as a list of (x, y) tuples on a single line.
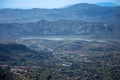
[(59, 28)]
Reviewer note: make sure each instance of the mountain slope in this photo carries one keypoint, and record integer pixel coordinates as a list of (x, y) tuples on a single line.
[(18, 54), (59, 28)]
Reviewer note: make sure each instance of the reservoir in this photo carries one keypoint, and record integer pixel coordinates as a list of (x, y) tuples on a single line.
[(60, 39)]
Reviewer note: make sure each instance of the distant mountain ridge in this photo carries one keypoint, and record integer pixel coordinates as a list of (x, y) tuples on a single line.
[(83, 12), (107, 4)]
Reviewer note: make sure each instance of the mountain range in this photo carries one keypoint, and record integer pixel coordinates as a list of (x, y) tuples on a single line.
[(79, 19), (82, 11)]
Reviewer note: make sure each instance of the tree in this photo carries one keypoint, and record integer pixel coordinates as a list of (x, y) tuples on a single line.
[(49, 77)]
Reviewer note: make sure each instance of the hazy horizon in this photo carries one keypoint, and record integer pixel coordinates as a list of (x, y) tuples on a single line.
[(28, 4)]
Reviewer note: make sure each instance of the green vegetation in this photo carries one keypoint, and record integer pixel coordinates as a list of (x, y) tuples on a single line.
[(68, 60)]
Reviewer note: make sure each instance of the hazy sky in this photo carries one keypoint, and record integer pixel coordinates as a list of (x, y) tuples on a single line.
[(46, 3)]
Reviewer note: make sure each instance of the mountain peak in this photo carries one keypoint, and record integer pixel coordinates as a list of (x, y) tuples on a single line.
[(82, 5), (107, 4)]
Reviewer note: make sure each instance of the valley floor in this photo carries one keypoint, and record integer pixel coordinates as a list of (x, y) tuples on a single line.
[(72, 60)]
